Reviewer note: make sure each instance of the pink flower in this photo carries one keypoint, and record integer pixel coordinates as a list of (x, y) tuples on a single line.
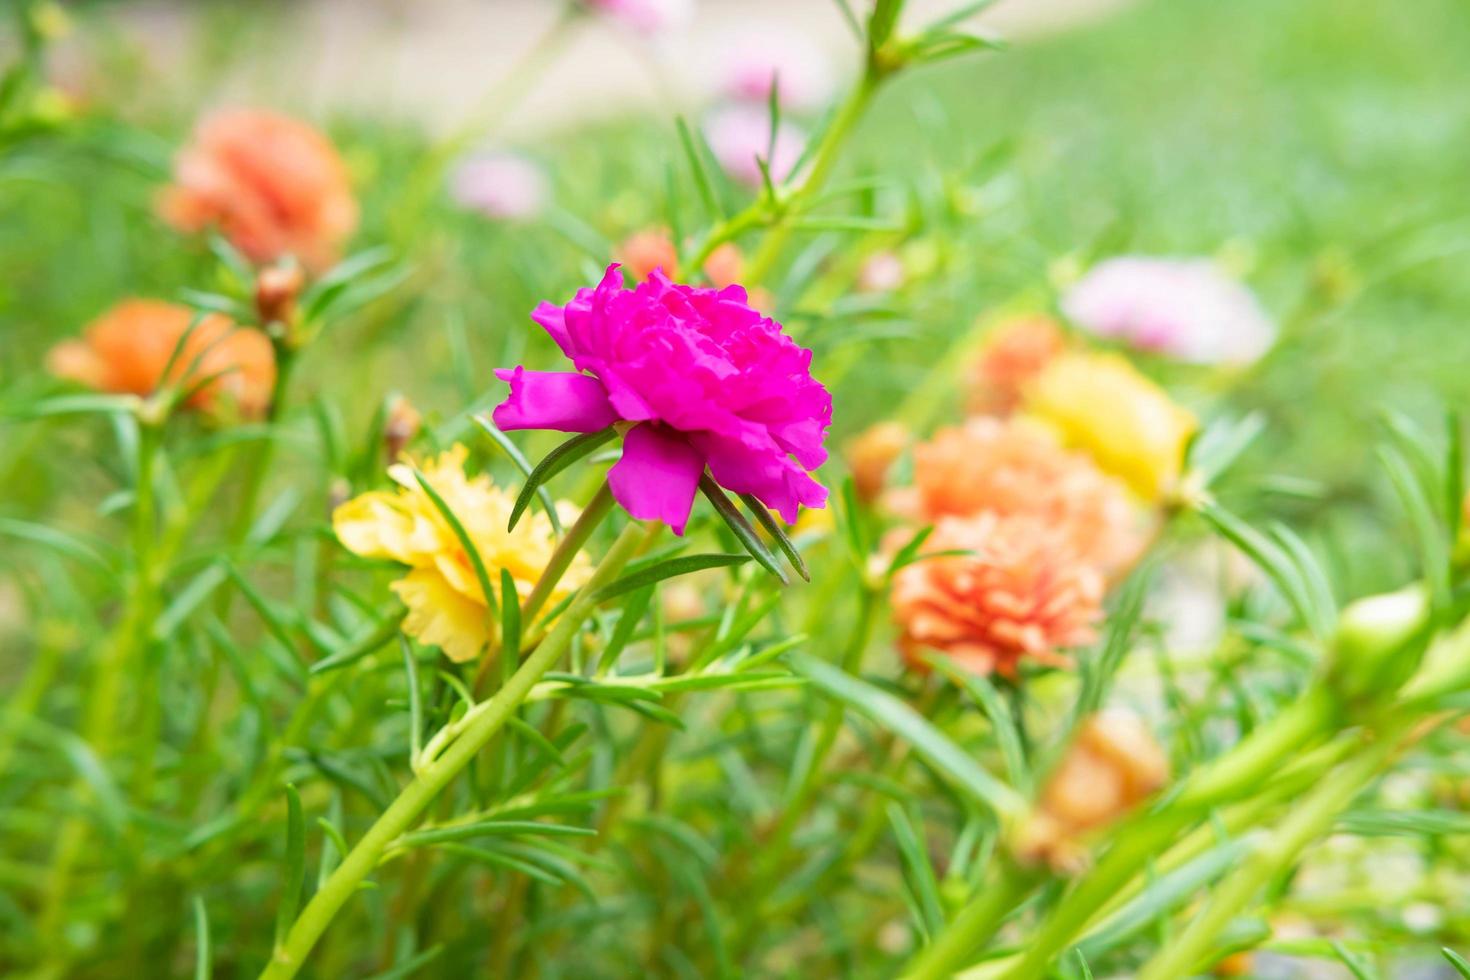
[(739, 134), (500, 186), (646, 16), (752, 60), (1182, 308), (706, 380)]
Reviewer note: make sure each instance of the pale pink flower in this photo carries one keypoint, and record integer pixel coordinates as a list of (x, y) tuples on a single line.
[(501, 186), (1187, 309), (755, 57), (646, 16), (741, 133)]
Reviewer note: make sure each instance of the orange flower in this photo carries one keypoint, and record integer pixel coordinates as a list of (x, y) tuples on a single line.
[(272, 185), (871, 453), (1014, 466), (1113, 765), (1015, 352), (125, 351), (645, 251), (724, 265), (1021, 593)]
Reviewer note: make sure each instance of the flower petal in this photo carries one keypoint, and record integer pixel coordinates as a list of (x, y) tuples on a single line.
[(657, 476), (561, 400), (440, 616)]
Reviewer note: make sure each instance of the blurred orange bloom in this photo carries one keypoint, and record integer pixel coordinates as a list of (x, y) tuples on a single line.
[(1019, 467), (644, 251), (1013, 354), (871, 453), (724, 265), (272, 185), (126, 350), (1113, 765), (1020, 594)]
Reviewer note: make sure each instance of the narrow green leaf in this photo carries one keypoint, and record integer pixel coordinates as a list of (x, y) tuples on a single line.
[(918, 872), (293, 876), (1082, 968), (773, 527), (492, 828), (415, 700), (632, 614), (741, 528), (555, 461), (1355, 965), (1007, 736), (1454, 470), (929, 742), (482, 576), (545, 745), (668, 569), (411, 965), (1457, 961), (524, 465), (1268, 557), (510, 620), (57, 540), (203, 960), (701, 175)]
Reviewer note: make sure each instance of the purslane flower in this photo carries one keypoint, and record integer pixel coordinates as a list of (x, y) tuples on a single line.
[(1101, 404), (1018, 467), (1019, 593), (697, 378), (128, 349), (500, 186), (759, 57), (1187, 309), (273, 186), (650, 17), (739, 134), (446, 606)]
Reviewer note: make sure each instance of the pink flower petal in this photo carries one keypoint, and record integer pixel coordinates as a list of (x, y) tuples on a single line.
[(560, 400), (657, 476)]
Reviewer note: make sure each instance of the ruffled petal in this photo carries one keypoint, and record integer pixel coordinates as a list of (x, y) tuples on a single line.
[(560, 400), (440, 616), (657, 476)]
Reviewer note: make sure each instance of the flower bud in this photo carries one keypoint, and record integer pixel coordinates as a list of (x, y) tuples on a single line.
[(401, 425), (276, 289), (870, 455), (1111, 767), (1379, 643)]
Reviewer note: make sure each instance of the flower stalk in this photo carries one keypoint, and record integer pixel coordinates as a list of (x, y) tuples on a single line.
[(477, 728)]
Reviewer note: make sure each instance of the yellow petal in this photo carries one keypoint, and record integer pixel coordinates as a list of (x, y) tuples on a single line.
[(439, 616)]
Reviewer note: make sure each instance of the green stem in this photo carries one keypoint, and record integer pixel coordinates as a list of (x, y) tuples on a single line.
[(823, 161), (114, 666), (483, 723), (975, 925), (1306, 822), (556, 566)]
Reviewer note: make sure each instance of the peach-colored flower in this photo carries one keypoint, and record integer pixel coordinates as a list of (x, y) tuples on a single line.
[(644, 251), (272, 185), (1019, 594), (1017, 467), (724, 265), (1015, 352), (1113, 765), (126, 350), (870, 455)]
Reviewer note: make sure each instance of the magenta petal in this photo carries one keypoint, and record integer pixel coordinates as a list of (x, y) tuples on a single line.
[(657, 476), (560, 400)]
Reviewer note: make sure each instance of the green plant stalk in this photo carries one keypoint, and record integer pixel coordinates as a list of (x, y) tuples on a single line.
[(1237, 772), (976, 923), (1307, 822), (258, 465), (773, 852), (113, 668), (561, 559), (489, 717), (823, 162)]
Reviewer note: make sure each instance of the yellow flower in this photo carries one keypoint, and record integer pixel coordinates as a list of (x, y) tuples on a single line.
[(446, 607), (1101, 404)]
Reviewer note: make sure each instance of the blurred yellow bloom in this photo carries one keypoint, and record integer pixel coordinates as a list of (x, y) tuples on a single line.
[(446, 607), (1101, 404)]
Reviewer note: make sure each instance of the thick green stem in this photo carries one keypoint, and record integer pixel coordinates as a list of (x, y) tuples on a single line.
[(481, 725), (1307, 822), (975, 925)]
